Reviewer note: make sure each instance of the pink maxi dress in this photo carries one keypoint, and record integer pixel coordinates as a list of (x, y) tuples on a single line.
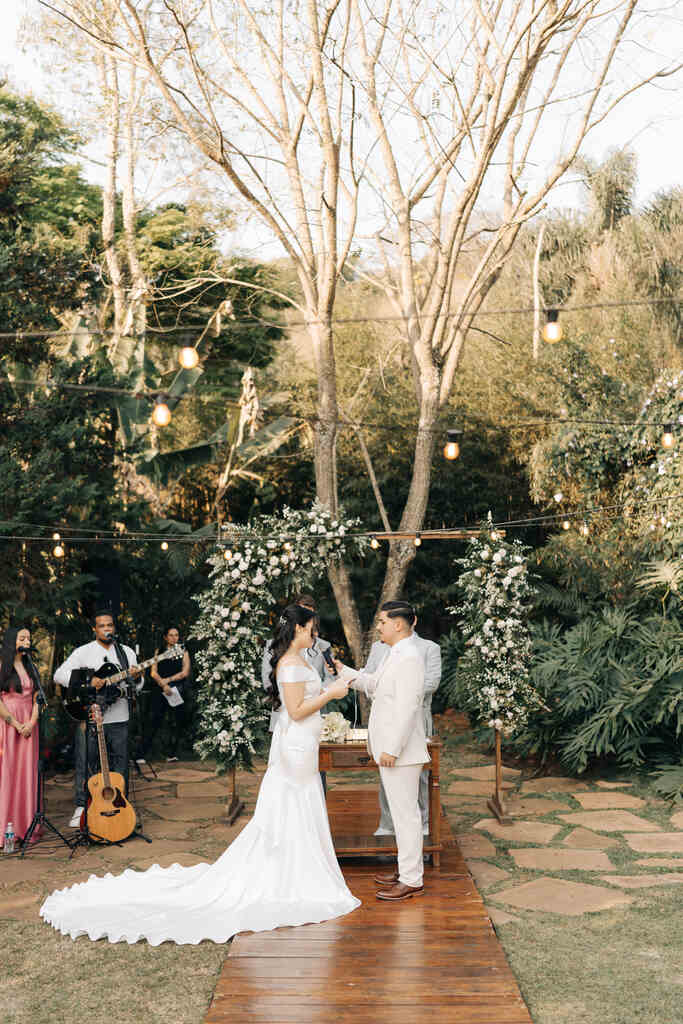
[(18, 762)]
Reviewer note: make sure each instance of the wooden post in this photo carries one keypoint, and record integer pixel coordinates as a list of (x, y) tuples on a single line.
[(236, 805), (495, 804)]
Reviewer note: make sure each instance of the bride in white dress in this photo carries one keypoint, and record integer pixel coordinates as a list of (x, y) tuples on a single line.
[(280, 870)]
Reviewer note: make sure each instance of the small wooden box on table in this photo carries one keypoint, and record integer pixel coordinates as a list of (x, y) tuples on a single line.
[(353, 757)]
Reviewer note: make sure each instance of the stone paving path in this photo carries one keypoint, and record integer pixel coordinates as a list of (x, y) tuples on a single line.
[(572, 847)]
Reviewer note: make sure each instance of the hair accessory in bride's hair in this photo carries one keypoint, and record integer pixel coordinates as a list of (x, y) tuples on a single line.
[(282, 621)]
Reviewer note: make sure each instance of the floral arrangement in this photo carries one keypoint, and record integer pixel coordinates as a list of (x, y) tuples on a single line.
[(255, 568), (335, 727), (493, 674)]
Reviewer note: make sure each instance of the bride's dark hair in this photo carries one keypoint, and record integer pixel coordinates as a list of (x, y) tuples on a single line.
[(294, 615)]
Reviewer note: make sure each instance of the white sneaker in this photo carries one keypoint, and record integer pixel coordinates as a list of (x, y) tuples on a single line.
[(383, 832), (76, 817), (425, 830)]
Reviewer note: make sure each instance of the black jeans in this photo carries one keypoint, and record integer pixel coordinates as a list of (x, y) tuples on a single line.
[(116, 742), (159, 708)]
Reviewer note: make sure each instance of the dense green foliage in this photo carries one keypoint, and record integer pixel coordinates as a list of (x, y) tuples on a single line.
[(48, 217)]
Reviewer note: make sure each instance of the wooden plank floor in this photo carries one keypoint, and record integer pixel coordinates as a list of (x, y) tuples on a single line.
[(433, 958)]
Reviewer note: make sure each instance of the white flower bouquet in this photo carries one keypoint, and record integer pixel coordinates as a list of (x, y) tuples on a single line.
[(335, 727)]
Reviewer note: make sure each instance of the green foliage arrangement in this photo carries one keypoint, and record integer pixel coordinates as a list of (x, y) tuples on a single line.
[(264, 564), (493, 673), (613, 688)]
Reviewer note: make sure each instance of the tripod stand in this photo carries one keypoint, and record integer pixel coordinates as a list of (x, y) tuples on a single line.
[(40, 818)]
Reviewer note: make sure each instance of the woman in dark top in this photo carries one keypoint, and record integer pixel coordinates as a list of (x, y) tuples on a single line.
[(172, 672)]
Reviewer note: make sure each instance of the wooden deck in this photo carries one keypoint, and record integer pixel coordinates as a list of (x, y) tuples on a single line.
[(433, 958)]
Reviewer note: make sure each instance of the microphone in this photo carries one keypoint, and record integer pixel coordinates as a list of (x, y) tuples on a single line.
[(329, 661)]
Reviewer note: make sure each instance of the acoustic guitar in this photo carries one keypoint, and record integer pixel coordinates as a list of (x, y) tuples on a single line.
[(109, 816), (80, 695)]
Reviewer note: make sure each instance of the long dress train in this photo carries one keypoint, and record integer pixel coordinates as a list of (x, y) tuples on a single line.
[(280, 870)]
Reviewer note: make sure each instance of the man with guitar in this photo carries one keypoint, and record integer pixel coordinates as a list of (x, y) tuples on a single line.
[(92, 658)]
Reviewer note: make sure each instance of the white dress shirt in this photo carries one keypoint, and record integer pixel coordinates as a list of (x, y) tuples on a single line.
[(93, 656)]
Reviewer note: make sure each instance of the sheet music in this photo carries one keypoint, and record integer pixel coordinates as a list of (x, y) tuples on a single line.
[(174, 698)]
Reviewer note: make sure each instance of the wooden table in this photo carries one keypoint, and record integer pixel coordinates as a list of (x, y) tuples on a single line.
[(354, 756)]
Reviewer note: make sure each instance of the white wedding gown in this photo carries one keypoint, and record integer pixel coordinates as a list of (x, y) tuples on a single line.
[(280, 870)]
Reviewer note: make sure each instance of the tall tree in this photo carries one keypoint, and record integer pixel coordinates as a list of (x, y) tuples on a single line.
[(406, 116)]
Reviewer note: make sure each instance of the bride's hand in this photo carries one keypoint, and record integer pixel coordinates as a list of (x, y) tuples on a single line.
[(337, 691), (339, 665)]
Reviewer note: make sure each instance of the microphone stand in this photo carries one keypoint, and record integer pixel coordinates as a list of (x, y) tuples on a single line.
[(40, 817)]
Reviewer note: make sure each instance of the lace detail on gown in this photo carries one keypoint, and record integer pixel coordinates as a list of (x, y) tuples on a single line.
[(281, 869)]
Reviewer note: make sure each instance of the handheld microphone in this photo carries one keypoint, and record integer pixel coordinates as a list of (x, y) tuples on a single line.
[(329, 661)]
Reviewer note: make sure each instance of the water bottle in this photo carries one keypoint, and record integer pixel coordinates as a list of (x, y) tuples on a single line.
[(8, 846)]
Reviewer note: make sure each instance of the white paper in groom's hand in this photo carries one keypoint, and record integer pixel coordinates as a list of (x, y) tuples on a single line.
[(174, 698)]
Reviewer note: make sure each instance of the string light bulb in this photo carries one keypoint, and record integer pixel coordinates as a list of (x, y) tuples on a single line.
[(161, 414), (668, 439), (583, 529), (495, 536), (58, 551), (552, 331), (188, 357), (164, 545), (418, 540), (374, 543), (565, 524), (558, 496), (56, 536), (451, 449), (227, 555)]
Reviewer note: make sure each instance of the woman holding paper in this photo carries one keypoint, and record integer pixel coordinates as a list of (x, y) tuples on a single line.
[(169, 675)]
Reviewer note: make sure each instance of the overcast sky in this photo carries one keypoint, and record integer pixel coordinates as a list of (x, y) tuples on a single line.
[(651, 121)]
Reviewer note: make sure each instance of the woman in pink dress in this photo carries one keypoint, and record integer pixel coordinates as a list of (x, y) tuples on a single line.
[(18, 734)]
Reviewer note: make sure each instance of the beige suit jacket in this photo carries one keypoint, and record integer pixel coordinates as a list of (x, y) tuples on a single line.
[(396, 724)]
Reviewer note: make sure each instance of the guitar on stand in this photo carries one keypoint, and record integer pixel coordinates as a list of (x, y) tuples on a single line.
[(108, 817)]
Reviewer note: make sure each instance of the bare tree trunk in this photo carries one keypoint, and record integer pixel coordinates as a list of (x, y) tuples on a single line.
[(537, 294), (110, 91)]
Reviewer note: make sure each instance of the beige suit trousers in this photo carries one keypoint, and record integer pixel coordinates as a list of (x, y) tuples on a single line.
[(401, 784)]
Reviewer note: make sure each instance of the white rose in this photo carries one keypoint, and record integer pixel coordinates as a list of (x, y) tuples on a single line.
[(270, 544), (276, 572), (273, 561), (246, 607), (235, 615), (235, 574), (477, 572)]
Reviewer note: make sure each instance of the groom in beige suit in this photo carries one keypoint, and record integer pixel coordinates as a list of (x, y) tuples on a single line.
[(397, 742)]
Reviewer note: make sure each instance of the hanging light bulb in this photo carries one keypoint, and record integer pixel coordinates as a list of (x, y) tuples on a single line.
[(374, 543), (188, 357), (552, 332), (565, 524), (668, 439), (227, 555), (495, 535), (58, 551), (287, 546), (558, 496), (56, 536), (583, 529), (161, 414), (452, 448), (164, 545), (418, 540)]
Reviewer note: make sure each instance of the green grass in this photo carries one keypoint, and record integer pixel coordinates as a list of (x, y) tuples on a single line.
[(621, 966), (48, 978)]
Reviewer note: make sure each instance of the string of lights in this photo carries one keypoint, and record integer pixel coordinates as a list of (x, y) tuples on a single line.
[(389, 318), (232, 532)]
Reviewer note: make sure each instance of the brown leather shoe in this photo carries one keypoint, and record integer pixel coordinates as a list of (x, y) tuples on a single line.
[(400, 892), (387, 879)]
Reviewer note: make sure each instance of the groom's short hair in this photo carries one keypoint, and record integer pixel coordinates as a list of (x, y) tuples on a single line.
[(305, 600), (400, 610)]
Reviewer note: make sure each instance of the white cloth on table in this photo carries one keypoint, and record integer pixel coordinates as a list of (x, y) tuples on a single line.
[(281, 869)]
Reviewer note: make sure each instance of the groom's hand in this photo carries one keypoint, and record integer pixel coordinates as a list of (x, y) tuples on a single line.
[(387, 760)]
